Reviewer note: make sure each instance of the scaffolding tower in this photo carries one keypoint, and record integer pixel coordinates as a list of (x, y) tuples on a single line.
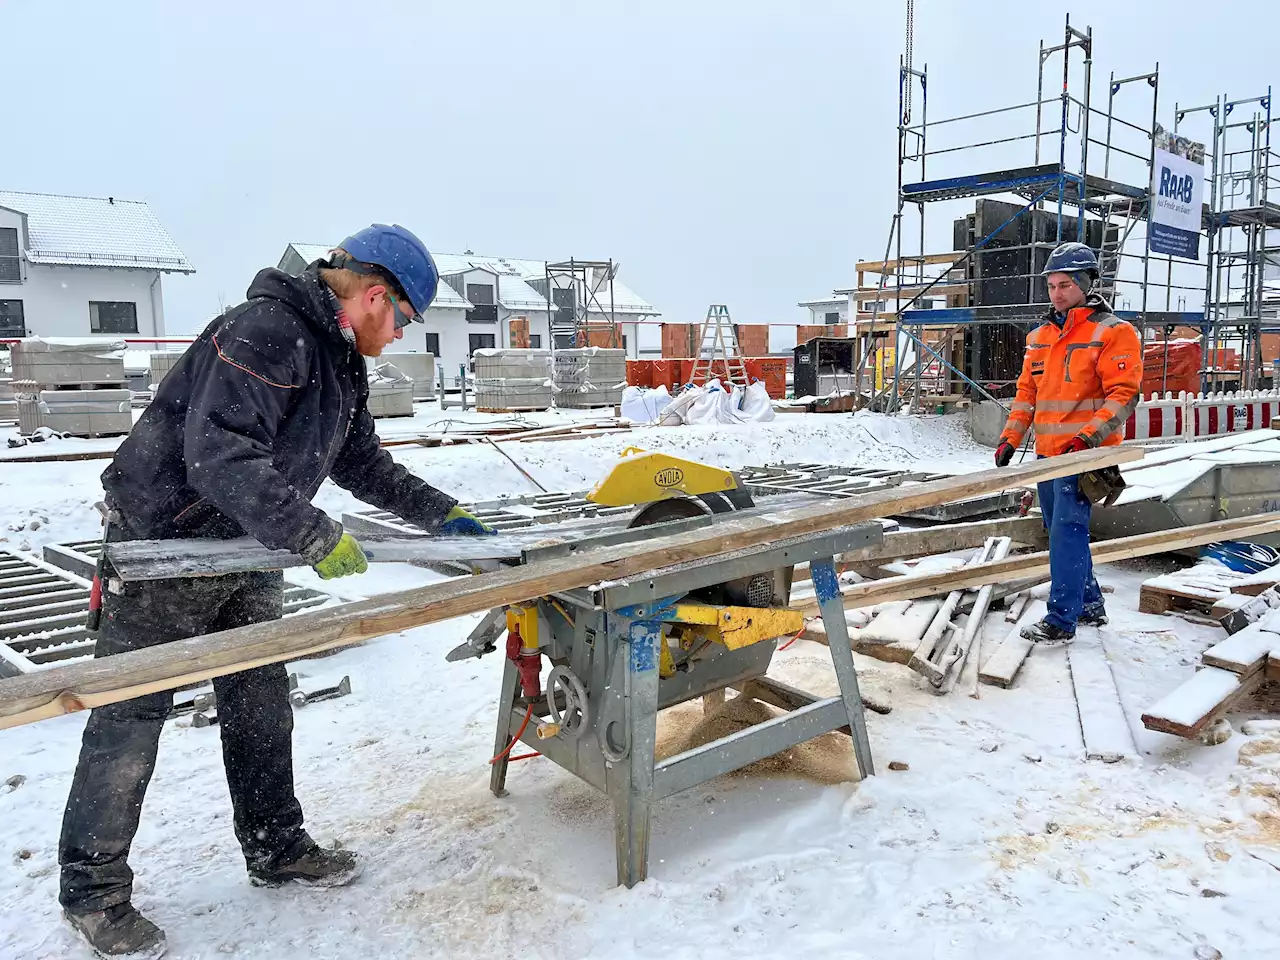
[(955, 322), (577, 292), (1242, 276)]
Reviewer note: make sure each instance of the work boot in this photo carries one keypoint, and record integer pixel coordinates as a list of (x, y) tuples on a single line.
[(313, 867), (119, 931), (1046, 634), (1093, 616)]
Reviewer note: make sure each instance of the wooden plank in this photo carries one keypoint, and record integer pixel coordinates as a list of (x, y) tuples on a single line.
[(1244, 652), (1190, 708), (874, 647), (135, 560), (947, 538), (80, 686), (1006, 660), (1272, 670), (878, 266), (1103, 725), (1037, 564)]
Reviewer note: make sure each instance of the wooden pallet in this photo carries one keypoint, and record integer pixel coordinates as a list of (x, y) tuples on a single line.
[(1156, 599)]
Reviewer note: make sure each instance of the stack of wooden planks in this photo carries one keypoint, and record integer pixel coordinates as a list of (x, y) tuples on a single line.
[(1231, 670)]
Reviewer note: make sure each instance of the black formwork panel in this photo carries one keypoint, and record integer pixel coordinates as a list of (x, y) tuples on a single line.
[(818, 356), (1005, 272)]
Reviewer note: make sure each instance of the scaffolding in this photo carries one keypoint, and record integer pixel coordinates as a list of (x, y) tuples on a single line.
[(1242, 276), (577, 315), (958, 319)]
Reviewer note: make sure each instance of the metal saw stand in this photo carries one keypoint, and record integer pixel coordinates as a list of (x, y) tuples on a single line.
[(611, 638)]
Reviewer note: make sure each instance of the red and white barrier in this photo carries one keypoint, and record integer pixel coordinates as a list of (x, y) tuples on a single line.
[(1195, 416), (1158, 418)]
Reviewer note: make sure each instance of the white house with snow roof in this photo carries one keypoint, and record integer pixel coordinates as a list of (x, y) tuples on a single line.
[(82, 267), (478, 298)]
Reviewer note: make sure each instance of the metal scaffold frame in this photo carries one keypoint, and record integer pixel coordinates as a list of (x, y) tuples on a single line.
[(1069, 192), (587, 280), (1242, 303)]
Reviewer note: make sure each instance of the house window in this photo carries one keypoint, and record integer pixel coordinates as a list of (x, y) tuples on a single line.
[(12, 321), (832, 317), (433, 344), (10, 264), (113, 316), (483, 309), (479, 341), (535, 341)]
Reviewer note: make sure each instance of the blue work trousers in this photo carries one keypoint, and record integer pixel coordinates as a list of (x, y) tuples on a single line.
[(1066, 519)]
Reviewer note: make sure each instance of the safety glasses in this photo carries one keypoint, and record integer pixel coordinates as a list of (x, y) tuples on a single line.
[(401, 320)]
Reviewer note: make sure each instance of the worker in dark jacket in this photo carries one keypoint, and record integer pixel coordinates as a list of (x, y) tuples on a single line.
[(268, 402)]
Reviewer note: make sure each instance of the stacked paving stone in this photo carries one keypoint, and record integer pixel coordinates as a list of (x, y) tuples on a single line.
[(590, 377), (508, 380), (162, 361), (75, 387)]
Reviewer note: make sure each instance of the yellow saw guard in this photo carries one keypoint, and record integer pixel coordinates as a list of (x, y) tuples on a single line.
[(642, 476), (735, 627)]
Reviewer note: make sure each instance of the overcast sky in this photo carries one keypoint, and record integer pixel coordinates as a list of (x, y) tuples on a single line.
[(738, 152)]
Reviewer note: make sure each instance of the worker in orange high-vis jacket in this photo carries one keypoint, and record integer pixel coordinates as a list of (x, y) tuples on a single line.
[(1081, 377)]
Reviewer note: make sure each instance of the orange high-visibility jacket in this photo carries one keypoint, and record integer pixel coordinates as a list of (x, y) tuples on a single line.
[(1079, 380)]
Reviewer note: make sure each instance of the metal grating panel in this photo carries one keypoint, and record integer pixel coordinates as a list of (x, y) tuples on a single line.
[(43, 606)]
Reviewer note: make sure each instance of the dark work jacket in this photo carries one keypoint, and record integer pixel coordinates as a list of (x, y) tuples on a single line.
[(269, 401)]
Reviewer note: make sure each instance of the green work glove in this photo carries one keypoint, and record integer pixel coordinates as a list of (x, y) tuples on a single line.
[(459, 523), (344, 559)]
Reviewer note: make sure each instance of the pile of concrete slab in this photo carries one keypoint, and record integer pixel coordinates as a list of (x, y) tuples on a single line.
[(76, 387), (390, 392), (420, 368)]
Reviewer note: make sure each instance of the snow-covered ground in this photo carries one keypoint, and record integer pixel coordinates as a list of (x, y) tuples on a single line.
[(1000, 840)]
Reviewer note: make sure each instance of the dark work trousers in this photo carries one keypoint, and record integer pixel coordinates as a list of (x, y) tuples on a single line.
[(118, 754), (1073, 588)]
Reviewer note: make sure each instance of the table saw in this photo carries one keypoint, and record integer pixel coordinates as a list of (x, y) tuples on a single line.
[(619, 652)]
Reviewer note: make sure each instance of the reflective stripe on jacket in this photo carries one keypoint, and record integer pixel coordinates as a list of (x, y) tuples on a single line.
[(1079, 380)]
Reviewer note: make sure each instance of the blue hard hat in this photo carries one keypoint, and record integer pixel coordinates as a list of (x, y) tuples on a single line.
[(402, 255), (1071, 257)]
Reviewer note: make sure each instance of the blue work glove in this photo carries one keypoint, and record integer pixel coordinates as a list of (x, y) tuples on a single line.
[(459, 523)]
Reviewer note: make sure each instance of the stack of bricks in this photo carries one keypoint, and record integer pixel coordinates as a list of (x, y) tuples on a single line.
[(518, 328), (75, 387), (806, 332), (678, 340)]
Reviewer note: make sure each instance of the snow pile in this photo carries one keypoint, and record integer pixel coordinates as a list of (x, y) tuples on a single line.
[(694, 405)]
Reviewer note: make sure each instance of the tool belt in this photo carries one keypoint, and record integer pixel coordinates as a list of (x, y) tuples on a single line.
[(1102, 486)]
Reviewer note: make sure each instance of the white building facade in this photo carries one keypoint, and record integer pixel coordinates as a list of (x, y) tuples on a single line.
[(83, 267), (478, 298)]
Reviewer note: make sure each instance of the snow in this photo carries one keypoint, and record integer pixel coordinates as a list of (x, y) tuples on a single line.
[(1000, 841)]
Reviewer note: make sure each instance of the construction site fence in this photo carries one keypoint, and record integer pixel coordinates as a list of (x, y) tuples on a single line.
[(1197, 416)]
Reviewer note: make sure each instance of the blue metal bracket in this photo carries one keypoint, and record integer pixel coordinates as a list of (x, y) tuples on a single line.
[(650, 609), (645, 636), (825, 582)]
